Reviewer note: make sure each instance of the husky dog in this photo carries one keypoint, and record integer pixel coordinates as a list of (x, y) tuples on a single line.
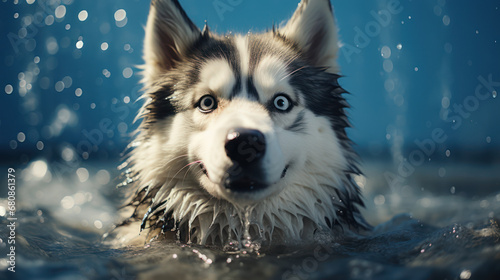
[(243, 134)]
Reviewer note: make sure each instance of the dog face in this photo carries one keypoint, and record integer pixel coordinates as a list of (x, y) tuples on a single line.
[(239, 120)]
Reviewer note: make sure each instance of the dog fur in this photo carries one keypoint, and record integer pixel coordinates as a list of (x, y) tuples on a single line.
[(179, 168)]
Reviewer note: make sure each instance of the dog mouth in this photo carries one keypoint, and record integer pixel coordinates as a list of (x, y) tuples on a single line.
[(245, 183)]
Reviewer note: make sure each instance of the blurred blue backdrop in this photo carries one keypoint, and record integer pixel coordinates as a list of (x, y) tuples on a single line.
[(69, 81)]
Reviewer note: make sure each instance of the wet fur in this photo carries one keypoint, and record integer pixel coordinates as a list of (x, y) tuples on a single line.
[(169, 191)]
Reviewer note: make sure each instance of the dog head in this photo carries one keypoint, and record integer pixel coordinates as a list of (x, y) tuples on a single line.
[(245, 120)]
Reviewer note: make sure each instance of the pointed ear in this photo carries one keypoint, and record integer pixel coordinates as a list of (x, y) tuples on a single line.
[(169, 35), (313, 28)]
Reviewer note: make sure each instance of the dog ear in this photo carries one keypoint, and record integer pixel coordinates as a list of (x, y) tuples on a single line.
[(169, 35), (313, 28)]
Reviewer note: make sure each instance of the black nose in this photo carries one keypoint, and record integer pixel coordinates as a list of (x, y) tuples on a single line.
[(245, 146)]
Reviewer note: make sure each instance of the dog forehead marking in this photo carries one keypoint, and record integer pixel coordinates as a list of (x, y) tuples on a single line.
[(218, 77), (271, 73)]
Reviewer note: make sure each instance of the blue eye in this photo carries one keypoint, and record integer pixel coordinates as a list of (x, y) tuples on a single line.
[(207, 104), (282, 103)]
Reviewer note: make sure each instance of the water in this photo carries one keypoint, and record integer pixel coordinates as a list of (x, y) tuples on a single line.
[(439, 232)]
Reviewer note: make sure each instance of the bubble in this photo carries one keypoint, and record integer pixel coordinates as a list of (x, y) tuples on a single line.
[(52, 45), (446, 20), (83, 174), (438, 10), (442, 172), (452, 190), (64, 115), (416, 69), (98, 224), (59, 86), (83, 15), (122, 127), (106, 73), (79, 44), (30, 1), (388, 66), (488, 139), (9, 89), (60, 11), (494, 94), (92, 106), (399, 46), (127, 72), (104, 46), (122, 23), (127, 47), (389, 85), (465, 274), (13, 144), (67, 202), (68, 154), (385, 52), (68, 81), (448, 153), (126, 100), (49, 20), (40, 145), (399, 100), (103, 177), (120, 15), (445, 102), (30, 45), (21, 137), (37, 59), (39, 168), (78, 92)]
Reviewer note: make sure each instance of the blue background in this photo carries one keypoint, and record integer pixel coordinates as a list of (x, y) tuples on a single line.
[(445, 46)]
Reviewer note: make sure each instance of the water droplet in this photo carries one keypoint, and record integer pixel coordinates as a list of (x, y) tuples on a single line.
[(120, 15), (79, 44), (442, 172), (385, 52), (83, 174), (104, 46), (388, 66), (60, 11), (21, 137), (67, 202), (98, 224), (127, 73), (78, 92), (9, 89), (446, 20), (465, 274), (83, 15)]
